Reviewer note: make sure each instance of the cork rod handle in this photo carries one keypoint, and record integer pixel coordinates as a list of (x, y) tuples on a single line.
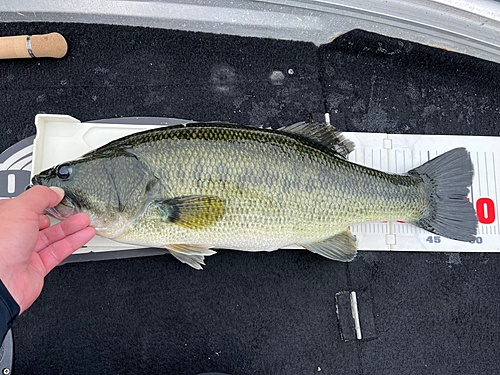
[(28, 46)]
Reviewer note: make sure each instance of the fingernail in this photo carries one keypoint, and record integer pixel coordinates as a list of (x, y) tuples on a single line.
[(58, 190)]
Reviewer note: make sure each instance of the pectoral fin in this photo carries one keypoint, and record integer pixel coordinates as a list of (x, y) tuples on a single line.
[(341, 247), (193, 255), (193, 211)]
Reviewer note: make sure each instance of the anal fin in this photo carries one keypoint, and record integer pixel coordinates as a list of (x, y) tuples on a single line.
[(193, 255), (342, 247)]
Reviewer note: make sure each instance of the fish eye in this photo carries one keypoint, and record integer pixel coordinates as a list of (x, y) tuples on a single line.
[(64, 171)]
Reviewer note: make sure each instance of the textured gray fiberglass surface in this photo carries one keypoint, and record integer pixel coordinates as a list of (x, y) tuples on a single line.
[(262, 313)]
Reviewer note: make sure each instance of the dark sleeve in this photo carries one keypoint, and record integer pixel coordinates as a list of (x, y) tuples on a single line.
[(9, 310)]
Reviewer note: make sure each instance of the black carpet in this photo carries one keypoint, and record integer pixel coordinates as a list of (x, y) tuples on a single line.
[(258, 313)]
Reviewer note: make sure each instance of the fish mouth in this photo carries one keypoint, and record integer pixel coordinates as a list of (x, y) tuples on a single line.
[(66, 208)]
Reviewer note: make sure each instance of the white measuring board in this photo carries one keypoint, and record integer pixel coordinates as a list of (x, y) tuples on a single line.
[(399, 153), (61, 138)]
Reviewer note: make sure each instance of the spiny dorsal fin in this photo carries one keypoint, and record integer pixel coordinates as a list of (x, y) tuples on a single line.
[(193, 211), (341, 247), (192, 255), (323, 133)]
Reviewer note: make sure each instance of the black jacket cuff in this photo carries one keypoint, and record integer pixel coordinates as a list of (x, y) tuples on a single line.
[(9, 310)]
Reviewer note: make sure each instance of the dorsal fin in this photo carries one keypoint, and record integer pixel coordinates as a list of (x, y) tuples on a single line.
[(323, 133)]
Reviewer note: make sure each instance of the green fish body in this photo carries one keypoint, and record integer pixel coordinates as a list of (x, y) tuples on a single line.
[(214, 185)]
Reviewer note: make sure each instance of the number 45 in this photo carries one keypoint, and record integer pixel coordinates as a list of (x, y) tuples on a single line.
[(433, 239)]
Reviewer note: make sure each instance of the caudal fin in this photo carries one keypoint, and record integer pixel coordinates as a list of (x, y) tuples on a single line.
[(448, 178)]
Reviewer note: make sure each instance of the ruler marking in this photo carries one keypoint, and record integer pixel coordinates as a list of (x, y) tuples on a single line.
[(472, 193), (486, 170), (381, 162), (495, 180), (472, 185), (478, 178)]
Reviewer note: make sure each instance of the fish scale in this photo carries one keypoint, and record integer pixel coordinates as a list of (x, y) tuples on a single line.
[(281, 189)]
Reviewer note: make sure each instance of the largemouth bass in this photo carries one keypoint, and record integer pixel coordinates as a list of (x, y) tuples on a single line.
[(195, 187)]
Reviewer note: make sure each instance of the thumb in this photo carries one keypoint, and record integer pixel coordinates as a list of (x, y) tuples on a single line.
[(38, 198)]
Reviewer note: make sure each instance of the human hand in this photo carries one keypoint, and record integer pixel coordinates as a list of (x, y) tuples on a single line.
[(29, 247)]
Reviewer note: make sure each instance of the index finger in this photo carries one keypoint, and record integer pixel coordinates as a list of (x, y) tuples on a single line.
[(38, 198)]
